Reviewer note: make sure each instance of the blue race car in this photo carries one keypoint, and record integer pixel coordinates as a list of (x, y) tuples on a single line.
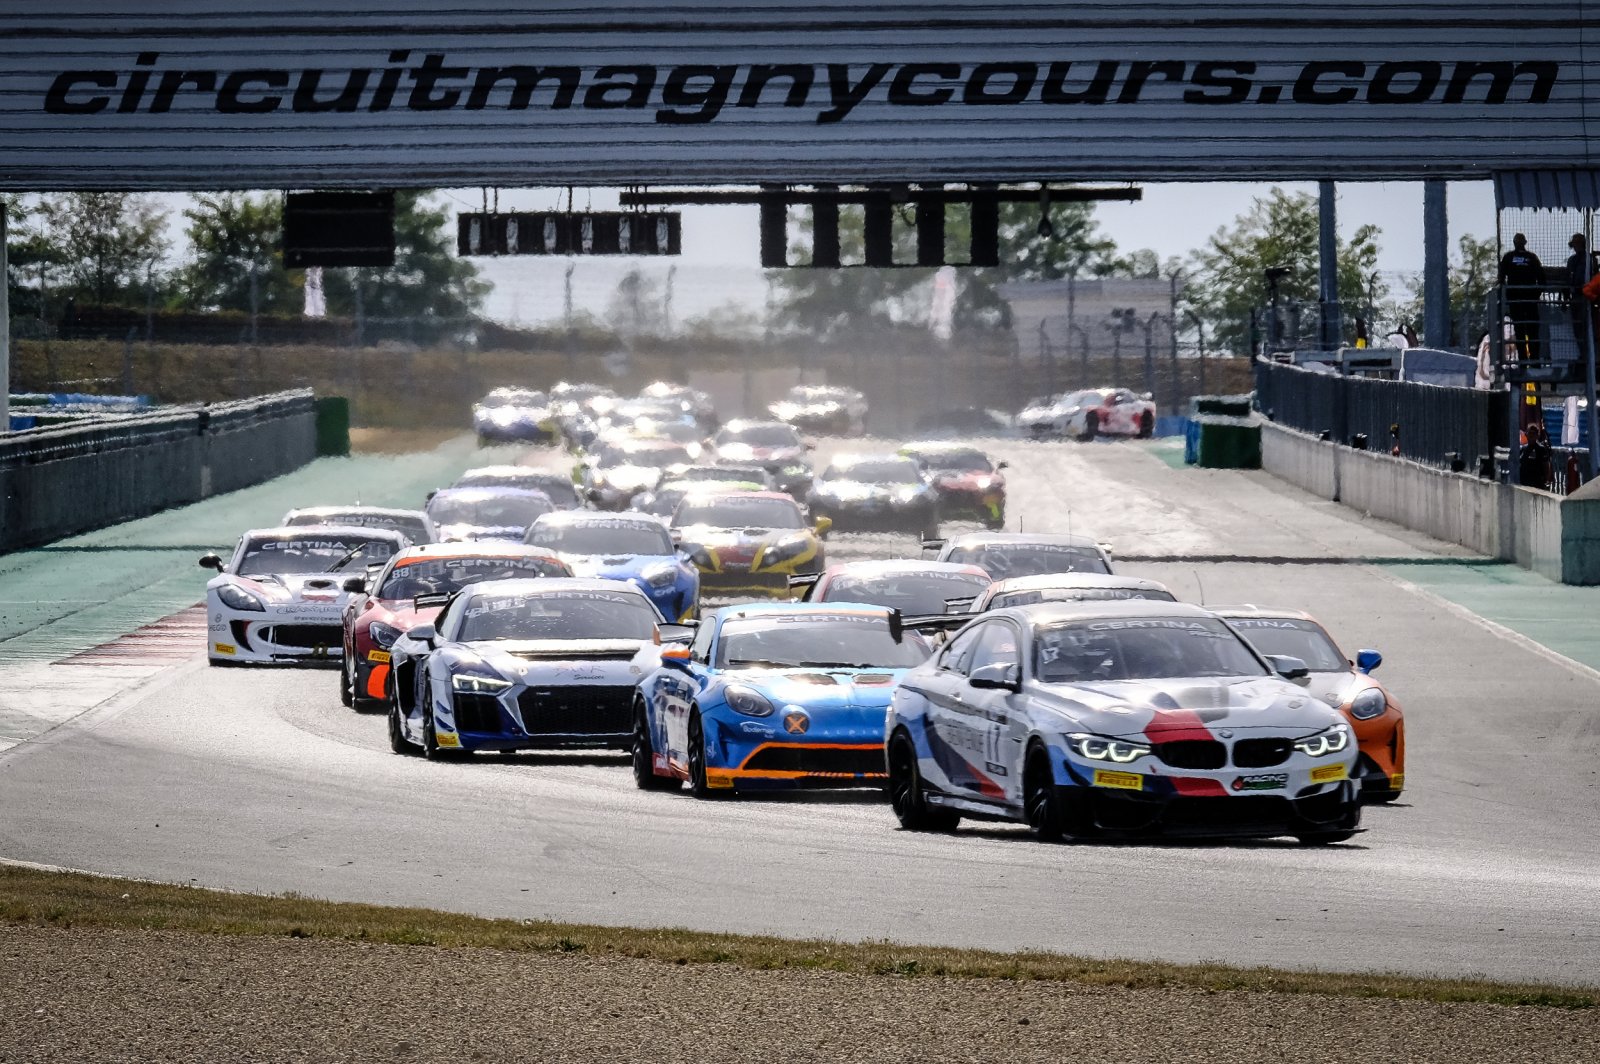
[(629, 547), (773, 696)]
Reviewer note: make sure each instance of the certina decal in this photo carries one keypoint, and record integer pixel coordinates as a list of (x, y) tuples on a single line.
[(696, 93)]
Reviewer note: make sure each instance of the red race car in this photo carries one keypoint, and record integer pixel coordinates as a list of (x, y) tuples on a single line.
[(410, 590), (968, 484)]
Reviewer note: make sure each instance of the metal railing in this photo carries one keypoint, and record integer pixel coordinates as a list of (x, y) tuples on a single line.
[(1423, 422), (95, 435)]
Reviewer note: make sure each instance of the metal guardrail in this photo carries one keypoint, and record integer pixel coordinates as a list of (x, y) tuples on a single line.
[(94, 435), (1424, 422)]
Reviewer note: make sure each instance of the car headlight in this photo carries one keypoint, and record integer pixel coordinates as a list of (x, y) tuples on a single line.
[(908, 496), (983, 483), (237, 598), (1099, 748), (473, 684), (1324, 743), (750, 702), (662, 574), (1369, 704), (785, 549), (382, 634)]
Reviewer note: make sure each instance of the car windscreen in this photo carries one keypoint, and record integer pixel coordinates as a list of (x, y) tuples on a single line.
[(1143, 648), (760, 436), (563, 615), (413, 528), (876, 472), (1294, 638), (1003, 560), (436, 576), (493, 511), (310, 554), (653, 455), (555, 485), (602, 537), (1080, 594), (958, 461), (910, 593), (739, 513), (816, 640)]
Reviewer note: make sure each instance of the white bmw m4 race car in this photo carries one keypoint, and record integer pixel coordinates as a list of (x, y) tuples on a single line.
[(278, 599)]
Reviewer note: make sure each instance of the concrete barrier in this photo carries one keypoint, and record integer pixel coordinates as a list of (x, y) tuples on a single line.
[(62, 481), (1556, 537)]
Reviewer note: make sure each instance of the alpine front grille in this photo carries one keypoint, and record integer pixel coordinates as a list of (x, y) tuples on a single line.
[(817, 759), (1261, 753), (305, 635), (478, 713), (579, 710), (1193, 753)]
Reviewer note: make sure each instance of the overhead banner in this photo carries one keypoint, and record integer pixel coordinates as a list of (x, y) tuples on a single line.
[(202, 95)]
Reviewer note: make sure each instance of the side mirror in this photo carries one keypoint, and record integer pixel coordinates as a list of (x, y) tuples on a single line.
[(675, 656), (1289, 668), (425, 634), (670, 634), (211, 561), (1001, 465), (823, 525), (355, 584), (1367, 660), (996, 676)]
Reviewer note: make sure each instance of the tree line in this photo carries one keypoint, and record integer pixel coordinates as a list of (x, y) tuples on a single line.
[(113, 249)]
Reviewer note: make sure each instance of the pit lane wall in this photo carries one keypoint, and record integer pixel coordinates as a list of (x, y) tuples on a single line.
[(1557, 537), (61, 481)]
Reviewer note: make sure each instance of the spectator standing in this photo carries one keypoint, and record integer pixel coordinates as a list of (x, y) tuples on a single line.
[(1522, 276), (1580, 268)]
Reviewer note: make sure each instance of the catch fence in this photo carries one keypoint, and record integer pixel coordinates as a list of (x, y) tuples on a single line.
[(1427, 423)]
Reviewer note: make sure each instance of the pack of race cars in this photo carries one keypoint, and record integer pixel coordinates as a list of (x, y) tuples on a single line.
[(1004, 676)]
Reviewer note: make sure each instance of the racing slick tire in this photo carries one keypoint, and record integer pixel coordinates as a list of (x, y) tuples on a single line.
[(347, 679), (644, 755), (1046, 813), (1147, 426), (397, 740), (905, 791), (698, 785), (1091, 427)]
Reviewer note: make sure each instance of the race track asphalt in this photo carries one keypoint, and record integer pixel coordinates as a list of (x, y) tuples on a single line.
[(262, 781)]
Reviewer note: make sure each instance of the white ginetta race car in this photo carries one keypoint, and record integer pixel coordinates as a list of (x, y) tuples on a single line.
[(1118, 719), (278, 600)]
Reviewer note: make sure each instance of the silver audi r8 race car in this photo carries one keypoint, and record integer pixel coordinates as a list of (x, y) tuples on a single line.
[(524, 664), (279, 598), (1118, 719)]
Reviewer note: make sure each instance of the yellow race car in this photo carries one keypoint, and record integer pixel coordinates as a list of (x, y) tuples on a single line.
[(748, 542)]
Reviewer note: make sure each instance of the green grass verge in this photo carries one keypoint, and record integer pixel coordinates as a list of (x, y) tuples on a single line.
[(34, 898)]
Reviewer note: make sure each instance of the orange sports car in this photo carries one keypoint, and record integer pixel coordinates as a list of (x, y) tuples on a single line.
[(1344, 684)]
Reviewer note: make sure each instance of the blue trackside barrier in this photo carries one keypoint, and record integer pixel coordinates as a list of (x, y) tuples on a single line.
[(1170, 425), (1191, 441)]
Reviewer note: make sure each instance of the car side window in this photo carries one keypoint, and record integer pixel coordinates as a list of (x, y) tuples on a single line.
[(700, 648), (996, 645), (960, 649)]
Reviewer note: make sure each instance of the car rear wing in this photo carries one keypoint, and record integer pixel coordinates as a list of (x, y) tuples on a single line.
[(808, 581), (960, 605), (933, 544), (938, 622)]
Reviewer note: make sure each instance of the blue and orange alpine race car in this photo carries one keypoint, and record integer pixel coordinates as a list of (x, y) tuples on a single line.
[(773, 695)]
